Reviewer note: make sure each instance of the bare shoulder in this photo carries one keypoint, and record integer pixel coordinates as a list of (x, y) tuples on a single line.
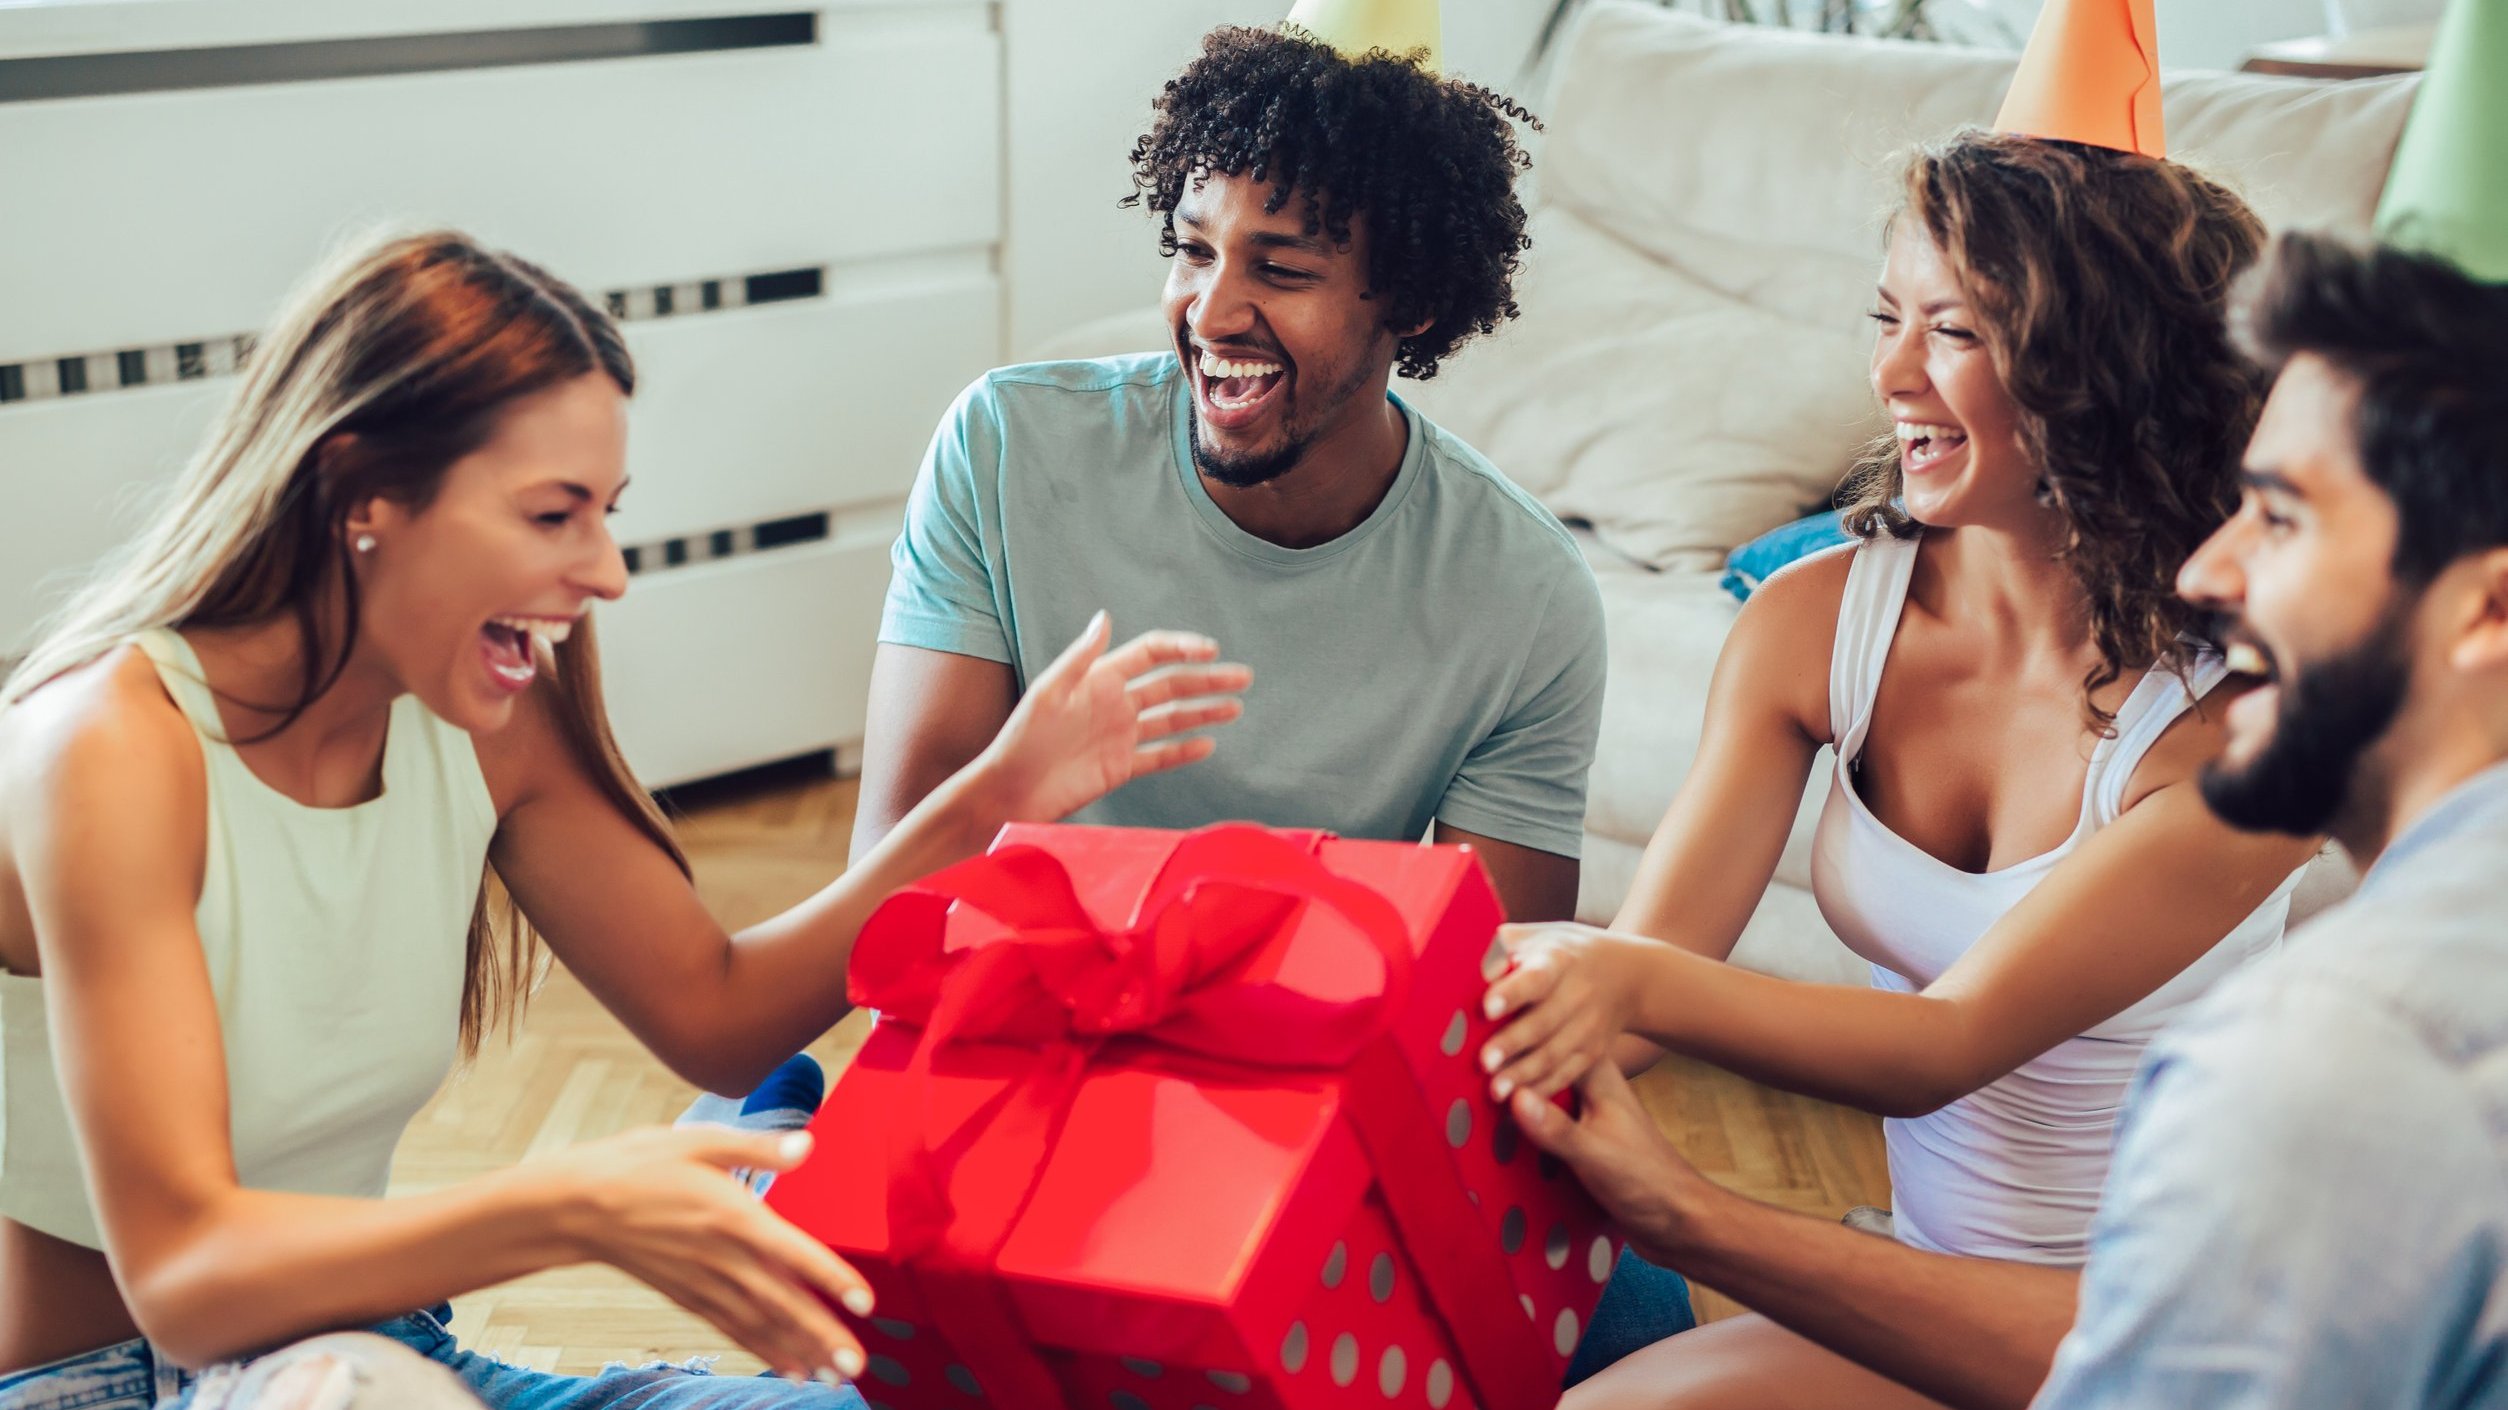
[(102, 742), (2195, 738), (107, 722), (1803, 596), (1779, 650)]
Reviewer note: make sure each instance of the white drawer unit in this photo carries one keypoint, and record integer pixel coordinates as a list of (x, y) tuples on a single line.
[(798, 214)]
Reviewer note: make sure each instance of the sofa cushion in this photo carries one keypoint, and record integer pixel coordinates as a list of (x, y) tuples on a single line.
[(1689, 371), (1675, 419), (1789, 137)]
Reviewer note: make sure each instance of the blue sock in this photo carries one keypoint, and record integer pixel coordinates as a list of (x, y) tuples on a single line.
[(785, 1101), (788, 1097)]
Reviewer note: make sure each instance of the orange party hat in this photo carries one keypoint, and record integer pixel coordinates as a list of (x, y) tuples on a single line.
[(2091, 74)]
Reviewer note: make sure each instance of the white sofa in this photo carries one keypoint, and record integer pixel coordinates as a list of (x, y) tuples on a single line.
[(1689, 369)]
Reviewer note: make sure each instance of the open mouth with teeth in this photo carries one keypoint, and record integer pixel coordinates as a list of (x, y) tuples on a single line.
[(2245, 658), (1237, 392), (1925, 445), (2252, 714), (512, 646)]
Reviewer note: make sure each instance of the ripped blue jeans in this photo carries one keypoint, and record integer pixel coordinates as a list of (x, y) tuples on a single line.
[(130, 1376)]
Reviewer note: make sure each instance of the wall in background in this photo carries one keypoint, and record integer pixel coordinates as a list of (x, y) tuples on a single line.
[(797, 214)]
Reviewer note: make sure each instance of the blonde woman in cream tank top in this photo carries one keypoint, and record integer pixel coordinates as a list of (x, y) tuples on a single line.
[(2012, 835), (251, 783)]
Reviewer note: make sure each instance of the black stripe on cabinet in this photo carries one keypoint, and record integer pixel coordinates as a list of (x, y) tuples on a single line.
[(57, 76)]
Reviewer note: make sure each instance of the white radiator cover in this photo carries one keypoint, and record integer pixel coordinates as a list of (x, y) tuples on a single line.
[(142, 221)]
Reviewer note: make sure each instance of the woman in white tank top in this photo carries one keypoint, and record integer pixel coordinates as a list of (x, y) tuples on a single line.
[(2012, 835), (250, 784)]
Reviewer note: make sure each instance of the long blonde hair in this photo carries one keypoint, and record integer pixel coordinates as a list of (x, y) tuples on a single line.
[(387, 365)]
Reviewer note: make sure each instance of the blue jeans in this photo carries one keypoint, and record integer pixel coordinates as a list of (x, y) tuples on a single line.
[(1641, 1305), (130, 1376)]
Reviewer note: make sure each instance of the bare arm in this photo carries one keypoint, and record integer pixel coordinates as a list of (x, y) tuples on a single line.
[(1711, 858), (1532, 885), (722, 1010), (2140, 901), (106, 806), (931, 713), (1970, 1332)]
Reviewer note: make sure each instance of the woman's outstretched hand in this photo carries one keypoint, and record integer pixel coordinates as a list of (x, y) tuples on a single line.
[(1097, 719), (660, 1205)]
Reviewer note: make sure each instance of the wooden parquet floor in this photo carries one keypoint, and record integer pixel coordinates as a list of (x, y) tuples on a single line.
[(758, 845)]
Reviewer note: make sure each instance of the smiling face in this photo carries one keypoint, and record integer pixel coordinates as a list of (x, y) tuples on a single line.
[(1958, 428), (2301, 581), (1279, 341), (461, 600)]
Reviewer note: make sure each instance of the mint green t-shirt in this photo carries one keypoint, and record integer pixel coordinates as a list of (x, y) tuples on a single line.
[(1442, 661)]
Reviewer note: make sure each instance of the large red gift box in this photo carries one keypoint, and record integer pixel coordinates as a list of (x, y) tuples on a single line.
[(1165, 1121)]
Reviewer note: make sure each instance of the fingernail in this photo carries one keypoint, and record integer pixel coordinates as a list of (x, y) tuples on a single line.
[(1502, 1088), (828, 1378), (1491, 1059), (1493, 1006), (858, 1301), (794, 1146), (848, 1362)]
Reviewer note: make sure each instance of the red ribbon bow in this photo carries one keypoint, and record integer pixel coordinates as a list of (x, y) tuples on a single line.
[(1186, 972)]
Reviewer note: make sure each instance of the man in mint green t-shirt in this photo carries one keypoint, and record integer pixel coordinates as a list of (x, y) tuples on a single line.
[(1426, 640)]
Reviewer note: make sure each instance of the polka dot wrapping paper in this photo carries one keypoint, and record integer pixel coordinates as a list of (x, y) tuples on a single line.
[(1192, 1121)]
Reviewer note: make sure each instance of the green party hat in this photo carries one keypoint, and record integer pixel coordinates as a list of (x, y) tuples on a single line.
[(2447, 193)]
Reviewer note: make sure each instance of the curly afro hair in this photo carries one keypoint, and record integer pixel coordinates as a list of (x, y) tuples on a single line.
[(1430, 162)]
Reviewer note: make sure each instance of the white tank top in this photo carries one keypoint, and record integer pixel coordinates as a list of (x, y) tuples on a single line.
[(2011, 1171), (336, 946)]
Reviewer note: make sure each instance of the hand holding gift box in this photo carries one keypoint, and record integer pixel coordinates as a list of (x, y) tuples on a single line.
[(1155, 1119)]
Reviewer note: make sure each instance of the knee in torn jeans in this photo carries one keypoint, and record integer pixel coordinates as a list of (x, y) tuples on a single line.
[(343, 1371)]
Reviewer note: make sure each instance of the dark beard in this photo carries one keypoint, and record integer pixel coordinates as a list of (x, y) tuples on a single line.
[(2329, 715), (1244, 471)]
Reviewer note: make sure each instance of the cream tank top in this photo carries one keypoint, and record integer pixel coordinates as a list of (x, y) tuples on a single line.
[(335, 946), (2011, 1171)]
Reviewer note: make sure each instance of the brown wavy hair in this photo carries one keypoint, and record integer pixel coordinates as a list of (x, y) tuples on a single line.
[(2102, 281)]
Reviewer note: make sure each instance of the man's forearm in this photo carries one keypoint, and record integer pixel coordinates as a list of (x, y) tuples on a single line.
[(1970, 1332)]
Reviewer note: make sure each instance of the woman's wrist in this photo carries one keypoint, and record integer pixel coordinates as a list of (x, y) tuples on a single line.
[(982, 798), (548, 1208), (1657, 1004)]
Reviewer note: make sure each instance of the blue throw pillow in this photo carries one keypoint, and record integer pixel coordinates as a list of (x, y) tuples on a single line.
[(1759, 560)]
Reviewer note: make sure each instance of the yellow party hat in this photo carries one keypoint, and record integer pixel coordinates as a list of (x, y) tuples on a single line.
[(2091, 74), (1356, 27)]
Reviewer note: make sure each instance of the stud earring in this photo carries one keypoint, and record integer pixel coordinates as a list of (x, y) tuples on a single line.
[(365, 543)]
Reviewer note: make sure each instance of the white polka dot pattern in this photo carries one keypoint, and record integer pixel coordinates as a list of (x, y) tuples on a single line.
[(1345, 1358)]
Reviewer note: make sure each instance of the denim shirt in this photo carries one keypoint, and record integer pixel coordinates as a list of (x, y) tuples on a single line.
[(2309, 1201)]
